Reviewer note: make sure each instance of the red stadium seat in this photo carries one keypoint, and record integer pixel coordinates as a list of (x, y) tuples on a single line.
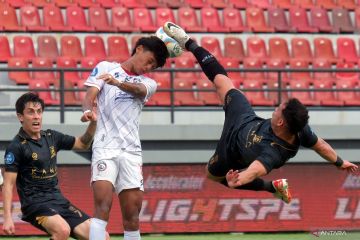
[(326, 98), (303, 96), (94, 47), (108, 3), (8, 19), (210, 20), (256, 98), (348, 4), (307, 4), (98, 19), (357, 19), (233, 20), (265, 4), (87, 62), (350, 98), (68, 62), (118, 49), (299, 64), (242, 4), (39, 86), (17, 3), (320, 19), (162, 98), (19, 77), (41, 62), (154, 4), (47, 47), (346, 50), (253, 64), (30, 18), (69, 96), (255, 20), (300, 49), (208, 97), (53, 18), (88, 4), (185, 98), (185, 62), (75, 18), (327, 4), (276, 63), (120, 18), (341, 21), (80, 95), (162, 76), (236, 77), (41, 3), (256, 48), (23, 47), (273, 91), (144, 20), (71, 47), (163, 15), (212, 44), (282, 3), (188, 20), (278, 20), (196, 3), (278, 48), (352, 77), (5, 52), (133, 3), (299, 21), (174, 3), (218, 3), (65, 3), (233, 48), (323, 48), (322, 76)]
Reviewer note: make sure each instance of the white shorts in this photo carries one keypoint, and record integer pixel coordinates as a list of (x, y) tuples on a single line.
[(122, 169)]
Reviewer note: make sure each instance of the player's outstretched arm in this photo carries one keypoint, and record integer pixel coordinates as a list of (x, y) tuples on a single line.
[(328, 153), (9, 183), (88, 104), (236, 178)]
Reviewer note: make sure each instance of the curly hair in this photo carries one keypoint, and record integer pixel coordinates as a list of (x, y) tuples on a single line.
[(156, 46), (296, 115), (25, 98)]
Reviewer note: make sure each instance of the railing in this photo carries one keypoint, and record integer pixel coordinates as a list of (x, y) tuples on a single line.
[(172, 108)]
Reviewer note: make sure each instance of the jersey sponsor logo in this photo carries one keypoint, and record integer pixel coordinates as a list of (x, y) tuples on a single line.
[(94, 72), (116, 75), (9, 158)]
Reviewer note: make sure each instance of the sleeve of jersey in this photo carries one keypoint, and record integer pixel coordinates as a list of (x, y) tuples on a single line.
[(63, 141), (307, 137), (101, 68), (270, 161), (12, 158), (150, 87)]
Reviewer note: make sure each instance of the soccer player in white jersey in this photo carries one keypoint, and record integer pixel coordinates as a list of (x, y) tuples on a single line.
[(120, 91)]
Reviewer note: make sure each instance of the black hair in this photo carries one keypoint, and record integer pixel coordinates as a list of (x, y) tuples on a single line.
[(156, 46), (296, 115), (25, 98)]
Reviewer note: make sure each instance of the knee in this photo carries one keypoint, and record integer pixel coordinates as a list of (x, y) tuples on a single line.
[(131, 223), (62, 232), (102, 210)]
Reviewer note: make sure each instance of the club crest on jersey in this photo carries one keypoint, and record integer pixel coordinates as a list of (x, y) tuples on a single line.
[(94, 72), (101, 166), (116, 75), (9, 158)]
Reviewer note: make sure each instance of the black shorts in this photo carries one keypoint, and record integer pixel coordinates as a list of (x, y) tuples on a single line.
[(238, 111), (72, 215)]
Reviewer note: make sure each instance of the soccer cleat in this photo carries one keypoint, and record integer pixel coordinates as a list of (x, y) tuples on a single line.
[(282, 190), (177, 33)]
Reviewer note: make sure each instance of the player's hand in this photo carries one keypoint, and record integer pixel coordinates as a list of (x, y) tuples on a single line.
[(87, 116), (8, 227), (232, 178), (109, 79), (350, 167)]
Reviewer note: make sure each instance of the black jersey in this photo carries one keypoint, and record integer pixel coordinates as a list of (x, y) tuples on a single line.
[(36, 164), (247, 137)]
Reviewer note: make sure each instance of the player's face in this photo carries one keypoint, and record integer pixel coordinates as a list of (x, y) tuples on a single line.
[(145, 61), (277, 117), (31, 119)]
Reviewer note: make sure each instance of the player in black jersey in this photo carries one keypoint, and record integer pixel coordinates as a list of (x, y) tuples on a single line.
[(250, 147), (31, 165)]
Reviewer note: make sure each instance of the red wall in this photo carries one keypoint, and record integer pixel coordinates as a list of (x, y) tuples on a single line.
[(179, 199)]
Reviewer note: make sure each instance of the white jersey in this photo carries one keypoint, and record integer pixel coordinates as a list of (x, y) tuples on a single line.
[(118, 112)]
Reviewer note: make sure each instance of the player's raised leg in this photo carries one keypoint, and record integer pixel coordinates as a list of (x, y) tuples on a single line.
[(209, 64)]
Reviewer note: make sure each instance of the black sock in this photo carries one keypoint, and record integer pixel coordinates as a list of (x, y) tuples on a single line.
[(208, 63), (258, 185)]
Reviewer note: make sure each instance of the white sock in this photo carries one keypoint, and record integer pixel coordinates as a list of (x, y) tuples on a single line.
[(97, 229), (132, 235)]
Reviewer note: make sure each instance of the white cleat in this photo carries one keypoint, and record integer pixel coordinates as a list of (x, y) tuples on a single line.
[(177, 33)]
